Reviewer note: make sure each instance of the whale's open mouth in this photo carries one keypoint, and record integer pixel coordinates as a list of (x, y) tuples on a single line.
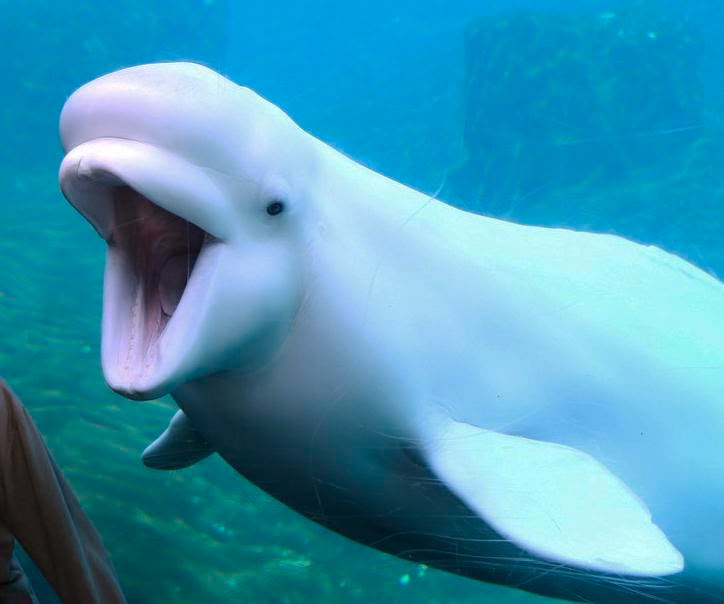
[(158, 252), (159, 267)]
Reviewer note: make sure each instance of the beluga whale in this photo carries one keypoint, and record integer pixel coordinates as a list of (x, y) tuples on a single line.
[(536, 407)]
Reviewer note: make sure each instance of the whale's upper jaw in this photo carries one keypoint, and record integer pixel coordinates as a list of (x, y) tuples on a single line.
[(158, 266)]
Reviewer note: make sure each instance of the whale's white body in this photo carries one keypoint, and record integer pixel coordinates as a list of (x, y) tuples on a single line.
[(409, 363)]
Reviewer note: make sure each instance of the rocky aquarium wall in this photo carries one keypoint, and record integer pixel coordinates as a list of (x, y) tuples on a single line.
[(554, 100)]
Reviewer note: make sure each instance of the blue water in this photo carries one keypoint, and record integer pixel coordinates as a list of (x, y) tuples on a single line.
[(390, 87)]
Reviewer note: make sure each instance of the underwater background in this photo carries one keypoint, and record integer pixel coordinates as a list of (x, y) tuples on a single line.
[(605, 118)]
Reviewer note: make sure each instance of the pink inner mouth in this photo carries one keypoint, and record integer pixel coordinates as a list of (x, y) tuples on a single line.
[(161, 250)]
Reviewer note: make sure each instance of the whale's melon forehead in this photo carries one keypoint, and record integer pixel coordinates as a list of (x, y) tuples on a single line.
[(183, 107)]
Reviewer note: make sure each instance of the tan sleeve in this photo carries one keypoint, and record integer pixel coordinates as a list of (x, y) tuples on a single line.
[(38, 507), (14, 585), (6, 554)]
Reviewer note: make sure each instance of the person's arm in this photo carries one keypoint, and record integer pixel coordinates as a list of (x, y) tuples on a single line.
[(38, 507), (14, 585)]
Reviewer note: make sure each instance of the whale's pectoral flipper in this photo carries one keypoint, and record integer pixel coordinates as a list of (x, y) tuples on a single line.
[(554, 501), (179, 446)]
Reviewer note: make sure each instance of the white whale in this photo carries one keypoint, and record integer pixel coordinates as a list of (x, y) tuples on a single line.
[(536, 407)]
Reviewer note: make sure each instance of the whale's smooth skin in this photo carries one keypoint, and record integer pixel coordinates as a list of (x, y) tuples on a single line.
[(536, 407)]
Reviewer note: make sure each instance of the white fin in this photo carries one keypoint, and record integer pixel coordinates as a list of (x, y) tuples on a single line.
[(553, 501), (179, 446)]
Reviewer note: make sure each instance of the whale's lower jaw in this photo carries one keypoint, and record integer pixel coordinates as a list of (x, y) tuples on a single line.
[(151, 258), (158, 265)]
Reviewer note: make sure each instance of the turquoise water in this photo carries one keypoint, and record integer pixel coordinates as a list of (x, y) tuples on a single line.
[(413, 91)]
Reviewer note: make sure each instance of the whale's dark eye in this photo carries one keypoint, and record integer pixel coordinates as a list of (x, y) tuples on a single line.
[(274, 208)]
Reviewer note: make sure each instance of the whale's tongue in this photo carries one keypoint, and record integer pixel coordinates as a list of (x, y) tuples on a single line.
[(172, 282)]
